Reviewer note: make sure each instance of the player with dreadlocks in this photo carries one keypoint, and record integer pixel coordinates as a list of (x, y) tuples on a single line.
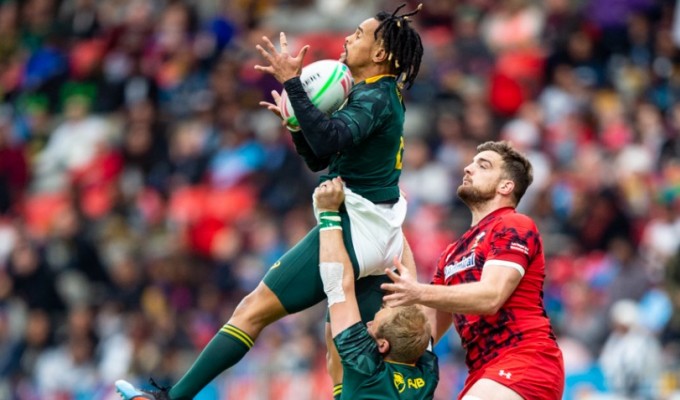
[(362, 143)]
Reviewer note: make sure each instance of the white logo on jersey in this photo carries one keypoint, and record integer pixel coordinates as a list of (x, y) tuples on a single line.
[(502, 372), (519, 247), (463, 264), (477, 239)]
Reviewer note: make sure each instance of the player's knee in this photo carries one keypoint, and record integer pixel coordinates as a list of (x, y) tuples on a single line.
[(258, 309)]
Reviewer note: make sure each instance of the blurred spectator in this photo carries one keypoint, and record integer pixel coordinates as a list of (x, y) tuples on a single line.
[(424, 180), (14, 171), (581, 320), (631, 357), (631, 279), (74, 143), (32, 280)]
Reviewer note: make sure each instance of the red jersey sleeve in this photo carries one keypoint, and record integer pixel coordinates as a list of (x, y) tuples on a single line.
[(513, 242)]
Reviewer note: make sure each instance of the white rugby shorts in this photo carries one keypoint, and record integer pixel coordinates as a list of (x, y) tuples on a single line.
[(376, 232)]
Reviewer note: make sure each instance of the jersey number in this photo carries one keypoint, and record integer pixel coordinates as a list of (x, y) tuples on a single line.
[(400, 154)]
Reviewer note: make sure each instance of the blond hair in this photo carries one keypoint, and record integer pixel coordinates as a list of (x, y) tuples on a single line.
[(408, 333)]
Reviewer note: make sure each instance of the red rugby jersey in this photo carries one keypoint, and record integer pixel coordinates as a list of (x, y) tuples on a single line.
[(510, 239)]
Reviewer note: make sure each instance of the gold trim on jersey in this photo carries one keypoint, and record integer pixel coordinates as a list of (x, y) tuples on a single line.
[(376, 78), (337, 389), (401, 363)]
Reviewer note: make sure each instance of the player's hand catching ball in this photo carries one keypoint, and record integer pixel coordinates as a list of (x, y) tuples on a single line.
[(282, 65)]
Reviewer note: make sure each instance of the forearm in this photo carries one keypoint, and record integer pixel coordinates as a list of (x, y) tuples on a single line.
[(476, 298), (408, 259), (440, 322), (343, 307), (332, 250), (324, 135)]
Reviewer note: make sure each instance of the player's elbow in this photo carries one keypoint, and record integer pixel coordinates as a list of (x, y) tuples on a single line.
[(316, 167), (491, 305)]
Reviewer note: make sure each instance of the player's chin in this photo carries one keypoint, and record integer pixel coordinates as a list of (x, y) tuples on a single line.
[(343, 58)]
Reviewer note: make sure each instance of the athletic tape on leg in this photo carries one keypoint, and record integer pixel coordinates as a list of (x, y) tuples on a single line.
[(331, 276)]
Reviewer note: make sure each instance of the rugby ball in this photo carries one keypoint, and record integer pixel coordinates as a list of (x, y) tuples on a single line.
[(327, 83)]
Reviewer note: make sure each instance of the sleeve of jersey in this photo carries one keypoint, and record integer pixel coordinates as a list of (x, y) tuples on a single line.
[(364, 113), (358, 350), (313, 162), (324, 135), (512, 243)]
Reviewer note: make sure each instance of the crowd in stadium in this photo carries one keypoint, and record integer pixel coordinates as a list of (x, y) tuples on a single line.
[(143, 190)]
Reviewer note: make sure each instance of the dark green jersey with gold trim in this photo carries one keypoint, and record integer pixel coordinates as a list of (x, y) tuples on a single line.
[(370, 161), (366, 375), (374, 113)]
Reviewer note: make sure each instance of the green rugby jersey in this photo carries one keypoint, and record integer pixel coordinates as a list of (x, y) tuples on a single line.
[(366, 375), (371, 166)]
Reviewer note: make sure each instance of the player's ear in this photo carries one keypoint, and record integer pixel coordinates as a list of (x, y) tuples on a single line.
[(379, 54), (506, 187), (383, 346)]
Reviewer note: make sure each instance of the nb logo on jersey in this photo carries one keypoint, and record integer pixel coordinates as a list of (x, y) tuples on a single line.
[(276, 264), (507, 375), (401, 384), (416, 383)]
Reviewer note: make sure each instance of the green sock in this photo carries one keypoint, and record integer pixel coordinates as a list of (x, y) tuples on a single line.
[(337, 391), (225, 349)]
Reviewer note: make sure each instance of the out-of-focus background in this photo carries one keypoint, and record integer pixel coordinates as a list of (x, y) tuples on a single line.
[(143, 192)]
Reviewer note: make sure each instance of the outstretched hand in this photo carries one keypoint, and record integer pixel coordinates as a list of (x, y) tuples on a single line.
[(281, 64), (404, 289), (274, 107)]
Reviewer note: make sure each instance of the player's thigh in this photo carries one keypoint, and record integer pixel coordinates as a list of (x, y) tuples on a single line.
[(294, 278), (370, 295), (487, 389)]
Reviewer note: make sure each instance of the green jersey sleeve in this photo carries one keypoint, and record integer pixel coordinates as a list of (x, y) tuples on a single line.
[(358, 350), (313, 162)]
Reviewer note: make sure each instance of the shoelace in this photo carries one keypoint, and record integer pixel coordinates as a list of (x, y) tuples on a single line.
[(162, 389)]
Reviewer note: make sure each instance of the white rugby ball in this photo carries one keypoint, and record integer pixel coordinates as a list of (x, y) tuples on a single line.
[(327, 83)]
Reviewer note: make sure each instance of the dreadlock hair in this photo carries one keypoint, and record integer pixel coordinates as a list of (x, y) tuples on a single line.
[(401, 42)]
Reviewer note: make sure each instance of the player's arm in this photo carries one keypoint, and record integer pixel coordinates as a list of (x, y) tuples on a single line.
[(335, 266), (313, 162), (324, 135), (440, 321), (366, 109), (506, 262), (408, 260), (482, 298), (301, 146)]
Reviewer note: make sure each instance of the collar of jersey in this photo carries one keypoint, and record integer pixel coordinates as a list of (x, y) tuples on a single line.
[(376, 78), (502, 210), (400, 363)]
